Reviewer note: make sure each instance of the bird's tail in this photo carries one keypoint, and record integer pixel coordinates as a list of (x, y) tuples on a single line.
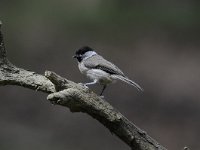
[(127, 80)]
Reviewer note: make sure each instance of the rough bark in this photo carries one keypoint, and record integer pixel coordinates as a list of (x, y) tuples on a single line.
[(77, 98)]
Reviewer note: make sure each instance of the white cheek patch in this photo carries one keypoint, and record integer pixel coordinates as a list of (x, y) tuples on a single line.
[(89, 54)]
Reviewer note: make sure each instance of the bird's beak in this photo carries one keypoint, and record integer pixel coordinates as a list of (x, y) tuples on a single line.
[(74, 56)]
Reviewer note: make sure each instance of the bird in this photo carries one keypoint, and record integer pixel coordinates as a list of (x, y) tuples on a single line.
[(100, 70)]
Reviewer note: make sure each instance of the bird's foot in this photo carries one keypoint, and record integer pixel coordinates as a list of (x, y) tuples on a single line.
[(101, 96), (84, 85)]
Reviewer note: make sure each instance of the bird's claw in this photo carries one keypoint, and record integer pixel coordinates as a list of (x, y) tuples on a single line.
[(101, 96), (55, 102), (84, 85)]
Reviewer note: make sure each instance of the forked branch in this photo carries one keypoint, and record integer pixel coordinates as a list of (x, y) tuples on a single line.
[(78, 99)]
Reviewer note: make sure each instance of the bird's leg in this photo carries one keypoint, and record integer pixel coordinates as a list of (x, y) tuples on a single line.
[(90, 83), (104, 87)]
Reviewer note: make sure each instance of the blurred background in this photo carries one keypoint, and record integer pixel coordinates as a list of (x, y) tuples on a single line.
[(156, 43)]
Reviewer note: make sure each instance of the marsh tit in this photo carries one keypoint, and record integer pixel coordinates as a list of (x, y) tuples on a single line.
[(99, 70)]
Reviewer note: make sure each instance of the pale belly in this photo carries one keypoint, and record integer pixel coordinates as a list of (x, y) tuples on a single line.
[(101, 76), (96, 74)]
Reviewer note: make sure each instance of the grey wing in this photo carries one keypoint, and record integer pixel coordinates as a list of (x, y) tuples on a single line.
[(98, 62)]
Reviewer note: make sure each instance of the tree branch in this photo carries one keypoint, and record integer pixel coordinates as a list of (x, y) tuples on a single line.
[(78, 99)]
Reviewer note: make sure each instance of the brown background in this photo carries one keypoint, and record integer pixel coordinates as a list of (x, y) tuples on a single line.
[(156, 43)]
